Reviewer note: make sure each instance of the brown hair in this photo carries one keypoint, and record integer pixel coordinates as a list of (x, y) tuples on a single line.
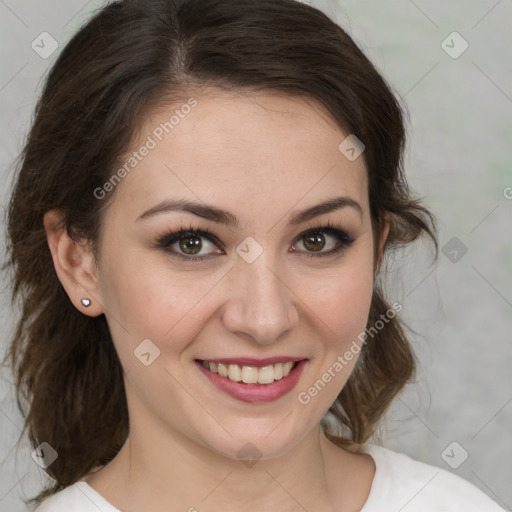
[(132, 56)]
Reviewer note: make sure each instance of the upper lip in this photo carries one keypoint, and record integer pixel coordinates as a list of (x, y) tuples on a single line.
[(249, 361)]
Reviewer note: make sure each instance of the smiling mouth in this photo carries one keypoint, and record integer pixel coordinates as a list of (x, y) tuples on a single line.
[(251, 374)]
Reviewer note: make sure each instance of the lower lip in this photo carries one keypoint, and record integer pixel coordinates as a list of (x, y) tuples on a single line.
[(255, 393)]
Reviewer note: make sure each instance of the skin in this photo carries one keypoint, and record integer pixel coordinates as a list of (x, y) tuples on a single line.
[(262, 157)]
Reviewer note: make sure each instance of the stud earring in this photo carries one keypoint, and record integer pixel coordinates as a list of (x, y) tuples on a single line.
[(86, 303)]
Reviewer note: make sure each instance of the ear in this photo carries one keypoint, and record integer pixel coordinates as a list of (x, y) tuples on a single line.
[(379, 254), (75, 265)]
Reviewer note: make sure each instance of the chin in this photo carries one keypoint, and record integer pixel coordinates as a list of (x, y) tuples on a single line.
[(262, 439)]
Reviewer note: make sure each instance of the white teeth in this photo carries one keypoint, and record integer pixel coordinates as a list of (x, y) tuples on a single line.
[(222, 370), (278, 371), (251, 374), (266, 374), (234, 372)]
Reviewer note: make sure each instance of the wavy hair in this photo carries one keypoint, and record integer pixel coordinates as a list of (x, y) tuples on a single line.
[(133, 56)]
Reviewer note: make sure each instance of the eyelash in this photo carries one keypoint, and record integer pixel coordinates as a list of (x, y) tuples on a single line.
[(344, 240)]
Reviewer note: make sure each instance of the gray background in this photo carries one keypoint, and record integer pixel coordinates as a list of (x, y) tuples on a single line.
[(458, 158)]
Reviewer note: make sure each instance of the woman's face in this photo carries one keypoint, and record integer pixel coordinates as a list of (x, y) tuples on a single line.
[(256, 173)]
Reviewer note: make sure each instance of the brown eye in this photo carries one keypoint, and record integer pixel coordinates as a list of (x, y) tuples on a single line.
[(315, 242), (191, 245), (323, 241), (318, 241)]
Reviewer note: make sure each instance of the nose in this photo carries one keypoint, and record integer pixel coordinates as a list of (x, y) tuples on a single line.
[(261, 306)]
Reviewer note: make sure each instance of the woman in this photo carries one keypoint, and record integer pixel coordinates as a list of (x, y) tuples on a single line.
[(199, 219)]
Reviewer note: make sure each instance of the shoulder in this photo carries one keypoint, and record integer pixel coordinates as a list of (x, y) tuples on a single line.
[(402, 483), (79, 497)]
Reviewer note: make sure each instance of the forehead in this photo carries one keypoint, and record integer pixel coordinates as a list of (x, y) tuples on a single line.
[(255, 149)]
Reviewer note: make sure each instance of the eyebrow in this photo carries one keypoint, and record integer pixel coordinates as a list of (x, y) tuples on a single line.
[(224, 217)]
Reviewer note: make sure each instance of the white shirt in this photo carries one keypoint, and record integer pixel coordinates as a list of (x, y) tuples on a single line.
[(400, 484)]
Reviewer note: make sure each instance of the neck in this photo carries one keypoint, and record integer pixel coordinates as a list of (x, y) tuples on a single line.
[(158, 467), (199, 478)]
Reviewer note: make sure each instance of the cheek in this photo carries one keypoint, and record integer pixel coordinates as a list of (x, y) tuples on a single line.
[(343, 298), (343, 308), (145, 299), (356, 300)]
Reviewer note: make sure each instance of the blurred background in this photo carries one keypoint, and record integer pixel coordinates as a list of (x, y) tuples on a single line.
[(450, 63)]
